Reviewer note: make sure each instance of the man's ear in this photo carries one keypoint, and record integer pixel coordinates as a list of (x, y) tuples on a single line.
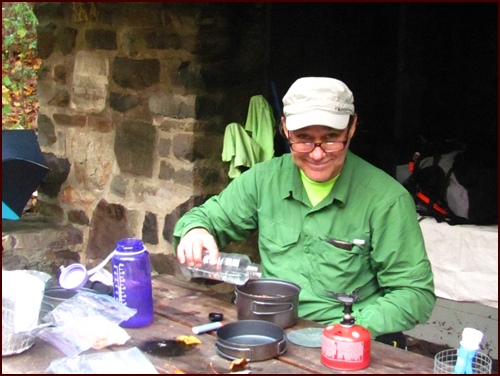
[(284, 131), (354, 121)]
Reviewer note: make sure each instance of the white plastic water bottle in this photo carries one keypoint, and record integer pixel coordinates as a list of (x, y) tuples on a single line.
[(471, 338), (232, 268)]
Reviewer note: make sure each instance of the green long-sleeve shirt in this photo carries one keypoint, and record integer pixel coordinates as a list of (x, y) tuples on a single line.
[(388, 266)]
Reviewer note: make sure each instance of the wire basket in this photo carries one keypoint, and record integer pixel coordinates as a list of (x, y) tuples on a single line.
[(444, 362)]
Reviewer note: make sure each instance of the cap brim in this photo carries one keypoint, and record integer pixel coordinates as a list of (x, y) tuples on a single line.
[(316, 117)]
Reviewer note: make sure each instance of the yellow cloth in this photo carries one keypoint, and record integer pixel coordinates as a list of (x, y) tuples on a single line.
[(239, 149), (244, 147), (260, 124)]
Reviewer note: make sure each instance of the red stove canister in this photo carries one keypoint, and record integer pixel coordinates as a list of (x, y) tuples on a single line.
[(345, 347)]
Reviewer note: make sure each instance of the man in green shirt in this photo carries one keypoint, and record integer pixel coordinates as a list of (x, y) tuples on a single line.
[(327, 220)]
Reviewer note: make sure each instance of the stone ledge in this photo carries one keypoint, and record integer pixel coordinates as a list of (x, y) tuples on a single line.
[(36, 242)]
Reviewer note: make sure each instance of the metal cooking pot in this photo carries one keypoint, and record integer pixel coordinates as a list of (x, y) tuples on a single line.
[(254, 340), (273, 300)]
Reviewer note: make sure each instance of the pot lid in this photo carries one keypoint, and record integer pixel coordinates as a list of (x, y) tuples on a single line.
[(307, 337)]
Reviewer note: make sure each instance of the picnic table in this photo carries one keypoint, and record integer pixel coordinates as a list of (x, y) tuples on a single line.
[(179, 305)]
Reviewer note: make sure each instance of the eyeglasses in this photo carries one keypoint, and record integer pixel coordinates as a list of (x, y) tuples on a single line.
[(308, 147)]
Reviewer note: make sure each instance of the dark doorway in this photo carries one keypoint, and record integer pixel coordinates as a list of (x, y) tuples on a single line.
[(414, 68)]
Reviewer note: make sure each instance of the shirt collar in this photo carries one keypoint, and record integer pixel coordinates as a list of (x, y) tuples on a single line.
[(293, 187), (342, 185)]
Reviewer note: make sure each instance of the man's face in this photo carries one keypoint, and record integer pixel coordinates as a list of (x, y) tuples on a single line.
[(318, 165)]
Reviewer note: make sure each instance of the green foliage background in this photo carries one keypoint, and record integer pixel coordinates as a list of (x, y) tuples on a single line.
[(19, 66)]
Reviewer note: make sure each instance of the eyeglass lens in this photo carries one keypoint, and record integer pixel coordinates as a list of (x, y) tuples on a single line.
[(307, 147)]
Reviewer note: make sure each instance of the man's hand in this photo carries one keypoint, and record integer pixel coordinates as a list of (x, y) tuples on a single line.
[(193, 244)]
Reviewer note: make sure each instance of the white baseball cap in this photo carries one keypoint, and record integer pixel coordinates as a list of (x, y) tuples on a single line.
[(318, 101)]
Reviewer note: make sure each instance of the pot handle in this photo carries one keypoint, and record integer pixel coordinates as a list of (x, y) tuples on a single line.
[(282, 346), (256, 304), (238, 349)]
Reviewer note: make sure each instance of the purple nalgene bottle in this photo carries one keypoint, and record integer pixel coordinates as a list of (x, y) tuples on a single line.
[(132, 280)]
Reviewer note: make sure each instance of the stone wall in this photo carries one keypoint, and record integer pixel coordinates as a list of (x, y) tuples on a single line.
[(134, 99)]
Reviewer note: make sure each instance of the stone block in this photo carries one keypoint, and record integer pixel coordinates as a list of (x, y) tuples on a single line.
[(90, 80), (109, 224), (49, 11), (70, 120), (135, 74), (65, 40), (60, 97), (173, 105), (99, 39), (59, 171), (164, 146), (102, 124), (119, 186), (60, 74), (183, 177), (45, 40), (46, 130), (93, 160), (134, 147), (150, 229), (78, 217), (166, 171), (183, 147), (123, 102), (162, 40)]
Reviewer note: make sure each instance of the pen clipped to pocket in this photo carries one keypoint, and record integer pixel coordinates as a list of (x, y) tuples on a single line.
[(342, 244)]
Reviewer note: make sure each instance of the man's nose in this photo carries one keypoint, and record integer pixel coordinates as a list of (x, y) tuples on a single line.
[(317, 152)]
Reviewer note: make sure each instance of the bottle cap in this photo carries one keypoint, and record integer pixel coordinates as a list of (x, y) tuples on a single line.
[(215, 316), (471, 338), (73, 277), (254, 271)]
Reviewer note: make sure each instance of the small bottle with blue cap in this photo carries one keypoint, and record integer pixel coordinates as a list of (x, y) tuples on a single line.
[(471, 338)]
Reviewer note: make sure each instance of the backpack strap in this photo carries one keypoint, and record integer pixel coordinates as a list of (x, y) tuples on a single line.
[(432, 208)]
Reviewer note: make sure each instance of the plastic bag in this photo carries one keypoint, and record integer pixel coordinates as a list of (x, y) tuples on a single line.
[(89, 304), (87, 320), (131, 361), (77, 336)]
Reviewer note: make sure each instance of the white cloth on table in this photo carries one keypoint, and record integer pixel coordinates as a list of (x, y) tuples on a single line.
[(464, 261)]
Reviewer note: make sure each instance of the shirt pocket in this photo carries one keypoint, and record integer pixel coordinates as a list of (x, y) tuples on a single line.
[(342, 254), (339, 269), (277, 237)]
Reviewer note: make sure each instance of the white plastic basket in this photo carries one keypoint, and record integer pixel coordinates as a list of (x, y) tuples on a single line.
[(444, 362)]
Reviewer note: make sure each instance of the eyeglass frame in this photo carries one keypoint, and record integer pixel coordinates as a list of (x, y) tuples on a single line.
[(316, 144)]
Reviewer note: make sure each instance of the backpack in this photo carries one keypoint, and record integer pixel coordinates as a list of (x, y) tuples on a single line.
[(454, 186)]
